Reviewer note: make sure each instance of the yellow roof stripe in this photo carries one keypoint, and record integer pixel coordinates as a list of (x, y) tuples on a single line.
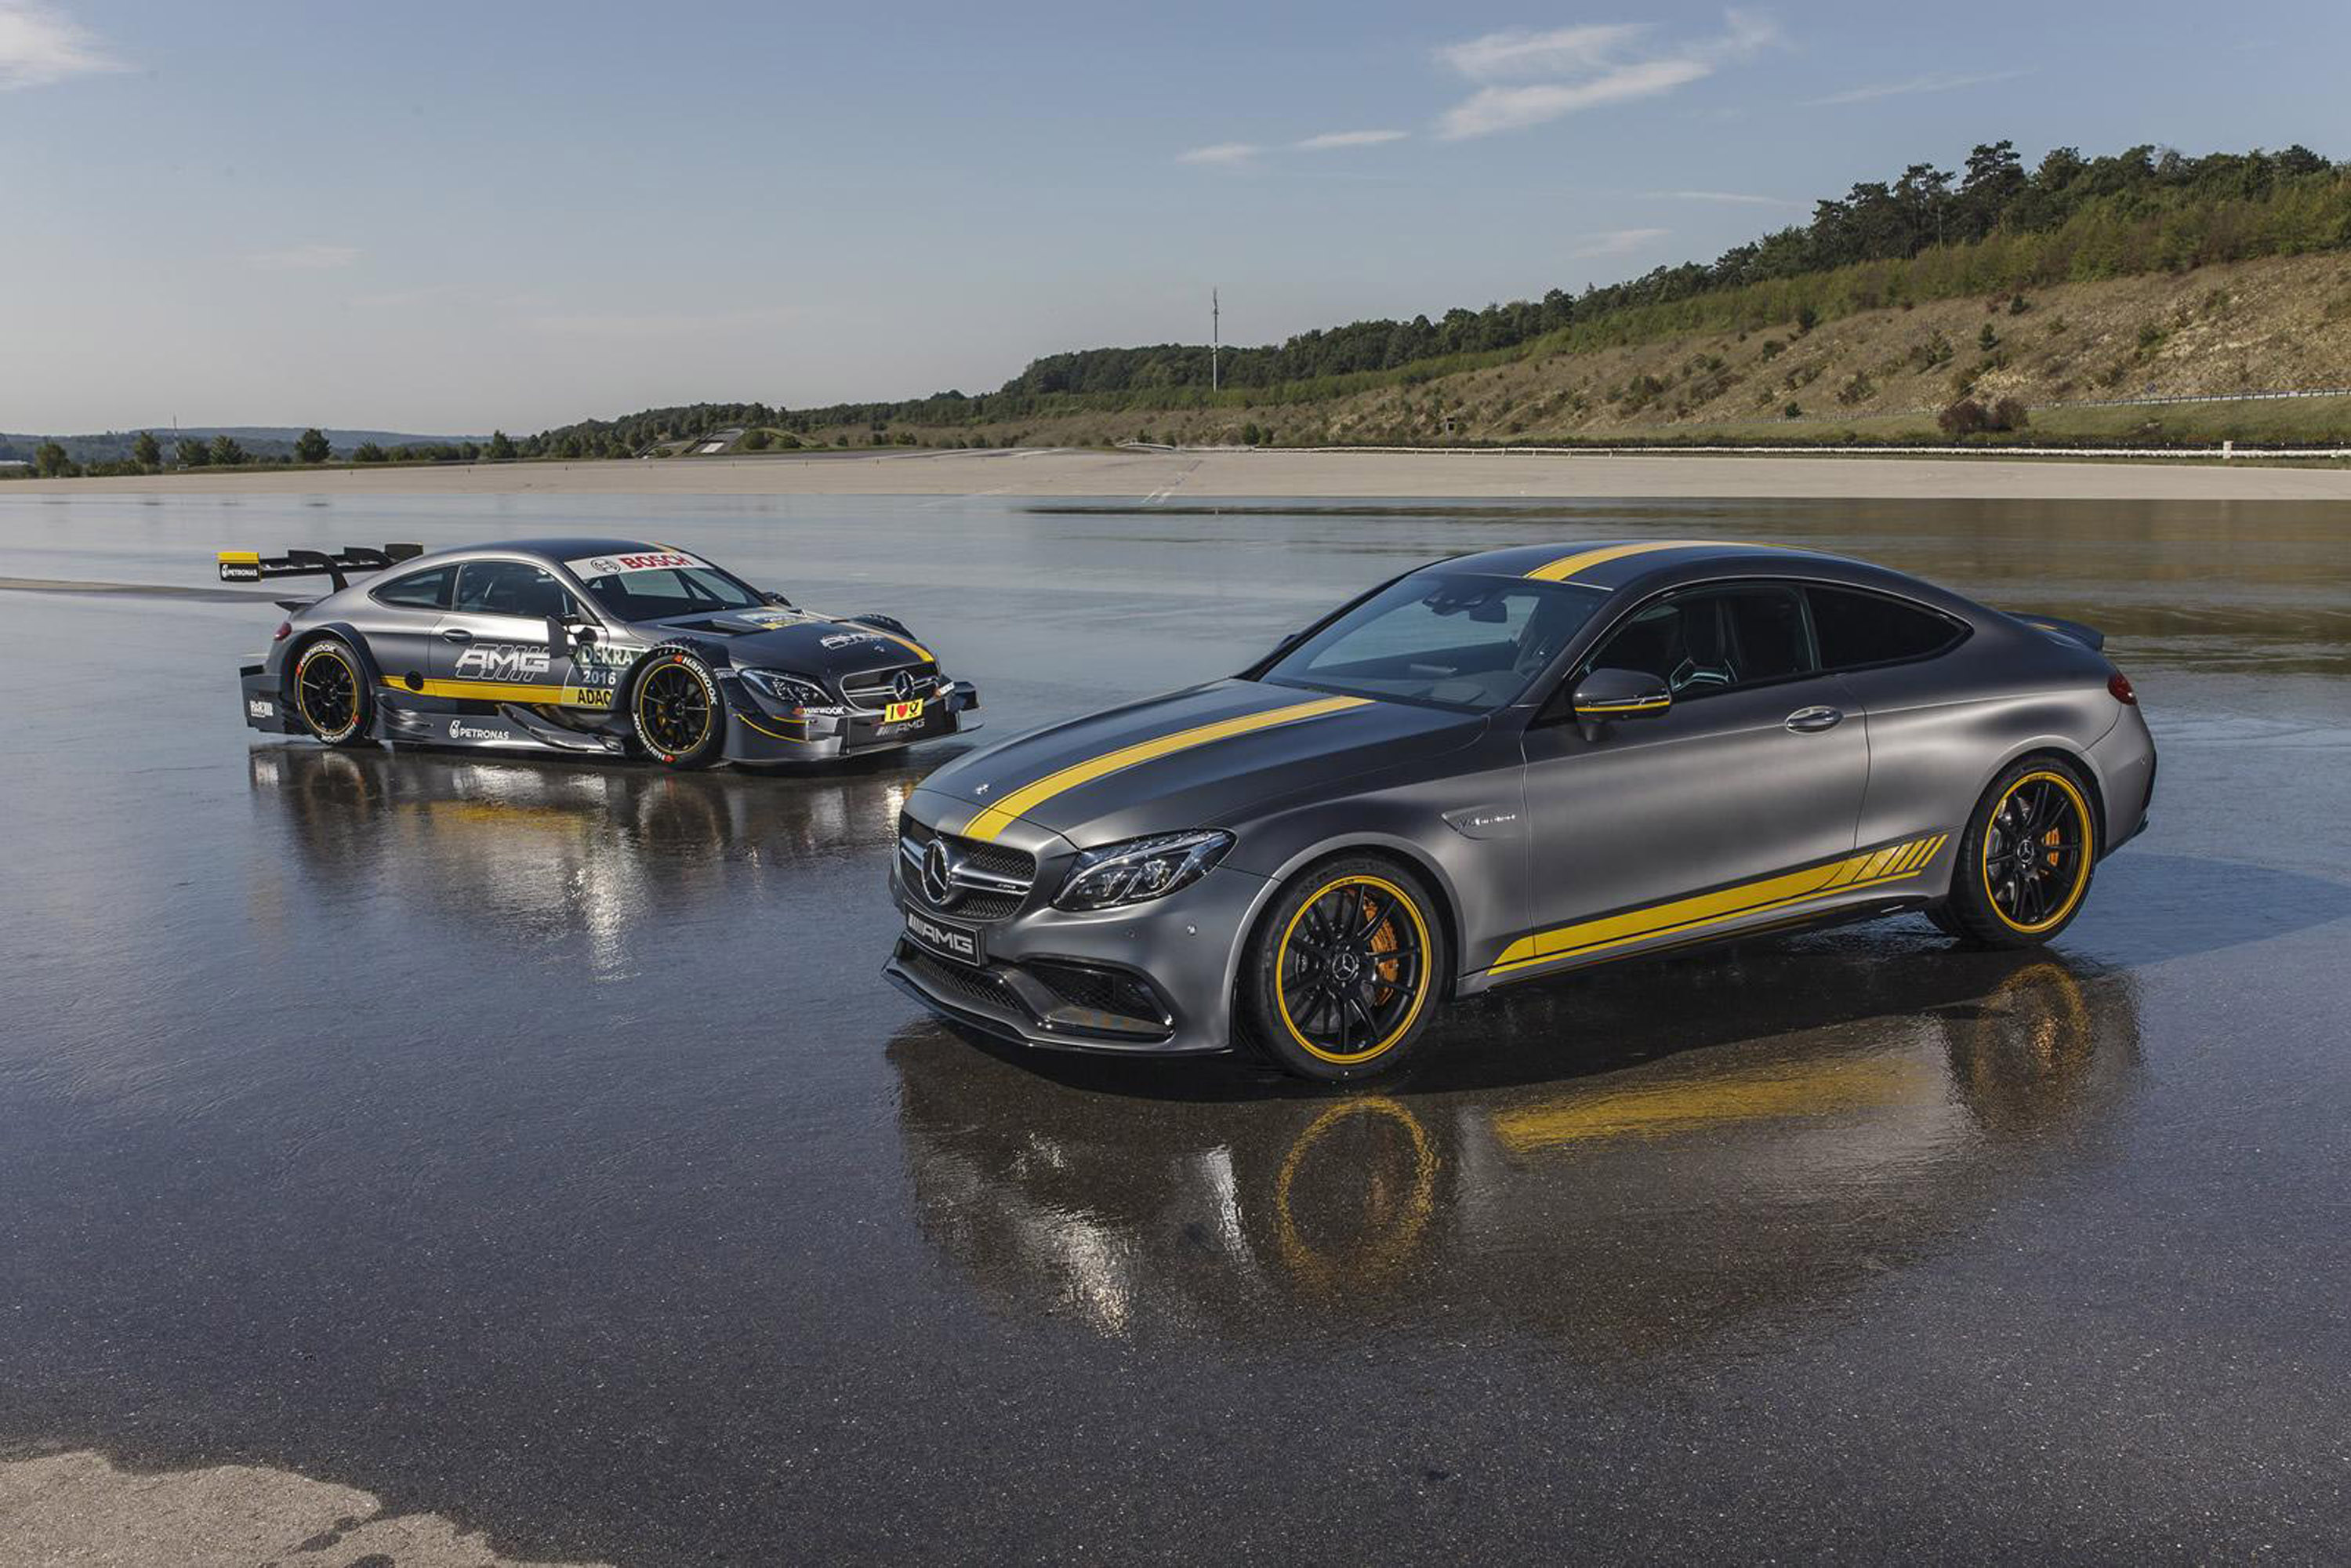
[(1567, 566), (994, 819)]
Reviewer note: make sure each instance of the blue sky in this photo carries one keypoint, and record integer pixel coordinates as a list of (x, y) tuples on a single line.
[(447, 218)]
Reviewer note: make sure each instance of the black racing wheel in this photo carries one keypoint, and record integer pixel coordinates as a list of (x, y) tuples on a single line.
[(2025, 862), (677, 710), (1341, 978), (330, 692)]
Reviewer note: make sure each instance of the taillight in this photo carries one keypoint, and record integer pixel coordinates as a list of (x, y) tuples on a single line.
[(286, 629), (2119, 685)]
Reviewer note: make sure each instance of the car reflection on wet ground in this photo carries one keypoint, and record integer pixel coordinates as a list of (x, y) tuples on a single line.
[(533, 1145)]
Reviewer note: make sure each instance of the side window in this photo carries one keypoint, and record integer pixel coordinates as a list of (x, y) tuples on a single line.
[(418, 589), (510, 587), (1715, 641), (1857, 629)]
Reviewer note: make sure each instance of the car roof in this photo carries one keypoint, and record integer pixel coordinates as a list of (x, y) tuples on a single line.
[(1613, 564)]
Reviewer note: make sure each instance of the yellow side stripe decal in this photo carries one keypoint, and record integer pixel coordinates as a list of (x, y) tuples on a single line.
[(493, 691), (1568, 566), (1867, 869), (993, 821)]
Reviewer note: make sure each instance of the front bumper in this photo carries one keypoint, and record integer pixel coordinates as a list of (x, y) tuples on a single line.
[(758, 732), (1155, 979)]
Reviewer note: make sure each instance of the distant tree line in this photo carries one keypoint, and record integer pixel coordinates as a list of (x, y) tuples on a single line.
[(142, 453), (1994, 226)]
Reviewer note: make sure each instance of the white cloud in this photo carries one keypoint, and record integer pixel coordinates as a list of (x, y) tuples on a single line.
[(1226, 153), (1516, 54), (38, 47), (1597, 64), (1617, 241), (1330, 139), (1939, 83), (1733, 198), (305, 257), (1515, 107)]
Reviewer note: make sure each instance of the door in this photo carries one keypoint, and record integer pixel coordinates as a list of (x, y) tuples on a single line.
[(1756, 771), (402, 616), (502, 639)]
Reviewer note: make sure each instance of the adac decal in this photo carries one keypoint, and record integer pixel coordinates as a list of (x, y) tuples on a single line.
[(619, 563)]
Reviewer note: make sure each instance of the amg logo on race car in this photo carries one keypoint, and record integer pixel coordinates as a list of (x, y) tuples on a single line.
[(260, 707), (460, 730), (501, 662)]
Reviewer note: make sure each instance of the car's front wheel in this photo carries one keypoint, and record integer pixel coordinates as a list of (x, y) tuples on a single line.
[(2025, 861), (1343, 974), (330, 692), (677, 710)]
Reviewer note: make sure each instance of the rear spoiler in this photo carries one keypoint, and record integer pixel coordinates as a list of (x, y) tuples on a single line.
[(249, 566), (2088, 636)]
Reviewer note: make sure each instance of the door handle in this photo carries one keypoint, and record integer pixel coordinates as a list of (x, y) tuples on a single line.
[(1812, 720), (459, 634)]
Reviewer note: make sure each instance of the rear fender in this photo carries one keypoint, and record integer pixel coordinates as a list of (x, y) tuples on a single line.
[(370, 672)]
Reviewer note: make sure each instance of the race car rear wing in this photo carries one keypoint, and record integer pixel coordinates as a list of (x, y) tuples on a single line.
[(249, 566)]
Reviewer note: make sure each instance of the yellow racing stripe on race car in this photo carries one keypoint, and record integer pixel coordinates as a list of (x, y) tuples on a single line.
[(994, 819), (492, 691), (1870, 868)]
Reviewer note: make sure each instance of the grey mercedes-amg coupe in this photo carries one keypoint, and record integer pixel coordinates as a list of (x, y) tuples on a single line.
[(1509, 765), (603, 646)]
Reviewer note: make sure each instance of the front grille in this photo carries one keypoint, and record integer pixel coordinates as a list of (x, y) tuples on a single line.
[(994, 862), (872, 689)]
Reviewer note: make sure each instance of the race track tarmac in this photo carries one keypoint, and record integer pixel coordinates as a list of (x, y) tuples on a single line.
[(431, 1158)]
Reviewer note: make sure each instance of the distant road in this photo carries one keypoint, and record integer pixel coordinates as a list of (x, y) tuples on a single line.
[(1164, 477)]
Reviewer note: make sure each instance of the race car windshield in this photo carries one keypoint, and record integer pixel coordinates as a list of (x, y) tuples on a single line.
[(1451, 640), (659, 592)]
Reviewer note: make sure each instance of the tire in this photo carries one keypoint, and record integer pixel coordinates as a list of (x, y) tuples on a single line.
[(1337, 1010), (2007, 894), (677, 711), (1939, 918), (328, 689)]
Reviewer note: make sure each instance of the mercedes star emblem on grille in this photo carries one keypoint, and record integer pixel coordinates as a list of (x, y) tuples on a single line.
[(938, 874)]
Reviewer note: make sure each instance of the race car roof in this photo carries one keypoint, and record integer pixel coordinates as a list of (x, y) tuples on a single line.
[(1609, 565)]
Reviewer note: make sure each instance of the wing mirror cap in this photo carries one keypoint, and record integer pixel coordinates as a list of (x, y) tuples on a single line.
[(1622, 694)]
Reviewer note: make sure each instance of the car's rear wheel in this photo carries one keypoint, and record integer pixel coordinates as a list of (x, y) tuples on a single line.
[(330, 692), (1342, 973), (2025, 864), (677, 710)]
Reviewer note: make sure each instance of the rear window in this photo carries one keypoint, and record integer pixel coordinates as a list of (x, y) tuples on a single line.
[(419, 589), (1856, 629)]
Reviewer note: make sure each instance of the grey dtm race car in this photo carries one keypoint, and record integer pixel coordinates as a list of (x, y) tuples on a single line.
[(603, 646), (1507, 766)]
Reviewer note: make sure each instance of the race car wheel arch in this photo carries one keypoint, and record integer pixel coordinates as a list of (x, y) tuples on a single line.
[(1344, 969), (329, 685), (677, 711)]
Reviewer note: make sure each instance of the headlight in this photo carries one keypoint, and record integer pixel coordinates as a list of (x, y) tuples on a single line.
[(792, 691), (1141, 869)]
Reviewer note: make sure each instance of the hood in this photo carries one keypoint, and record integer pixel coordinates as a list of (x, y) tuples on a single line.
[(1201, 758), (795, 640)]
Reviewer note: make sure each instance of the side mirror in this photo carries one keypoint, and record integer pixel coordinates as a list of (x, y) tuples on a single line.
[(1608, 694), (777, 600), (563, 634)]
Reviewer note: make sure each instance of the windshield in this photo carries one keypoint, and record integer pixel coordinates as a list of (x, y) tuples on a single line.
[(659, 584), (1457, 640)]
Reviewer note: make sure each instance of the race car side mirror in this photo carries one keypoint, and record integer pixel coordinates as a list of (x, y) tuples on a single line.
[(1605, 695)]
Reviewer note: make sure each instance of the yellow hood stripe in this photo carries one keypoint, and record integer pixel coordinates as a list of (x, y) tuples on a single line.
[(995, 819)]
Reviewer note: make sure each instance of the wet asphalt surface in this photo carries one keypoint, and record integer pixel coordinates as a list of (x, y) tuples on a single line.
[(536, 1142)]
